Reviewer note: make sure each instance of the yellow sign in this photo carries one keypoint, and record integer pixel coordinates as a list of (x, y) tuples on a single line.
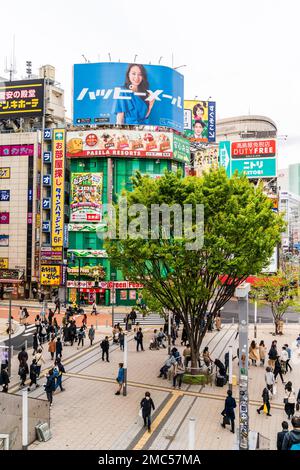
[(4, 173), (50, 275), (38, 220), (3, 263), (58, 190)]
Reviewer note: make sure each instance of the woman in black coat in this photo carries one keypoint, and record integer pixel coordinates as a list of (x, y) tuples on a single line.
[(146, 405), (228, 411)]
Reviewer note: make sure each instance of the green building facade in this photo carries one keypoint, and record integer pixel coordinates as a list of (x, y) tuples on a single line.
[(90, 274)]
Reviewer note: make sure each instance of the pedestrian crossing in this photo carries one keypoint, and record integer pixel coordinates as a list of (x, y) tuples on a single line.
[(151, 319), (29, 330)]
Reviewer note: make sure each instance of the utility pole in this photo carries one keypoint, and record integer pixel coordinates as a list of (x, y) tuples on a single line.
[(125, 365), (242, 294), (9, 290)]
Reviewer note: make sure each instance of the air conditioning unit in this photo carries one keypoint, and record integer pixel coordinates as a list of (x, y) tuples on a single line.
[(43, 432)]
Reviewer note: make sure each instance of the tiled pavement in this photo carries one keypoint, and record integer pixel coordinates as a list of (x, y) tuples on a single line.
[(89, 416)]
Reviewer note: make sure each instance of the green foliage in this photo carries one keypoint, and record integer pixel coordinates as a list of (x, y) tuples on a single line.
[(240, 233)]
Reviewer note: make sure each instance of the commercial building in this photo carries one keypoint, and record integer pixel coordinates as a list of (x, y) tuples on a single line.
[(289, 206), (26, 107)]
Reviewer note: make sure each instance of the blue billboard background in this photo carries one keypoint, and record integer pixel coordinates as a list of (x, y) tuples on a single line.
[(101, 97)]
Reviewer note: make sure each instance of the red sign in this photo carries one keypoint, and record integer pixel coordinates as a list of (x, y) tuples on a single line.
[(4, 217), (253, 148)]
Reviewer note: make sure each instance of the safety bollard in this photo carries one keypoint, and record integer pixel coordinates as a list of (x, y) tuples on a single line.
[(233, 320), (259, 320)]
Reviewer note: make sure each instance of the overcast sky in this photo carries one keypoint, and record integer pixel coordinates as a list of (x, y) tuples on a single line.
[(243, 54)]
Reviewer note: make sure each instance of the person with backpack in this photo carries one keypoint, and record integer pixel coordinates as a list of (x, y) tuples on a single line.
[(105, 348), (39, 360), (81, 336), (4, 379), (91, 334), (23, 355), (281, 434), (58, 371), (33, 375), (22, 372), (139, 339), (147, 405), (278, 370), (266, 402), (291, 440), (228, 411), (50, 386)]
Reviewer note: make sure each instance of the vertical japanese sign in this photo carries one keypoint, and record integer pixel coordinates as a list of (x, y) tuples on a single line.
[(58, 173), (200, 120)]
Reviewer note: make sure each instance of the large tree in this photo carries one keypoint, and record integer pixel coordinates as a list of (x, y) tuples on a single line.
[(240, 232), (279, 292)]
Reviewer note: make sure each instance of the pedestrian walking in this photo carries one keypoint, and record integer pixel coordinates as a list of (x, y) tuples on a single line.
[(262, 350), (94, 309), (105, 348), (35, 342), (184, 337), (4, 359), (84, 321), (269, 379), (23, 356), (173, 334), (218, 321), (39, 360), (284, 357), (22, 372), (57, 305), (81, 336), (291, 440), (33, 375), (50, 386), (277, 369), (121, 339), (59, 348), (139, 339), (91, 334), (50, 316), (147, 406), (52, 346), (178, 374), (187, 355), (206, 357), (266, 402), (298, 341), (281, 434), (120, 378), (4, 379), (58, 371), (228, 412), (289, 400), (273, 354), (253, 353), (289, 351)]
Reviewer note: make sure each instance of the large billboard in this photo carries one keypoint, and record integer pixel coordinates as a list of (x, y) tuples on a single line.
[(254, 158), (50, 275), (200, 120), (58, 187), (127, 143), (128, 94), (21, 98), (86, 202)]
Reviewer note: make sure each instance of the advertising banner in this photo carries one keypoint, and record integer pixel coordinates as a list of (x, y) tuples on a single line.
[(21, 98), (129, 94), (4, 195), (255, 159), (200, 120), (86, 199), (3, 263), (4, 217), (205, 159), (58, 188), (88, 253), (50, 275), (4, 173), (22, 150), (105, 284), (51, 254), (253, 149), (104, 143), (82, 228), (4, 240), (181, 149)]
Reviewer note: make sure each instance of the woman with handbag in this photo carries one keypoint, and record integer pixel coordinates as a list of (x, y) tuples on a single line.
[(289, 400), (266, 402)]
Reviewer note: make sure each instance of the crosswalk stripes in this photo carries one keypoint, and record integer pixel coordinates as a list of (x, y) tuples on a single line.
[(29, 330)]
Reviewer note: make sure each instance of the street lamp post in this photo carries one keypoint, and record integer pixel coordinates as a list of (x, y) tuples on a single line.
[(79, 279), (242, 294), (125, 365), (169, 333), (113, 276)]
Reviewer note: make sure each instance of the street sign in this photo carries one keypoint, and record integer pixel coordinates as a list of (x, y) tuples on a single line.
[(47, 134), (47, 157), (255, 167), (46, 203)]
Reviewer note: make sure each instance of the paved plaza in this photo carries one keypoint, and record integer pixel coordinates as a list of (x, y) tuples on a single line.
[(88, 414)]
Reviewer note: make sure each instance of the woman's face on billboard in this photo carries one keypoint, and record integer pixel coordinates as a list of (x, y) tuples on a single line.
[(135, 76)]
